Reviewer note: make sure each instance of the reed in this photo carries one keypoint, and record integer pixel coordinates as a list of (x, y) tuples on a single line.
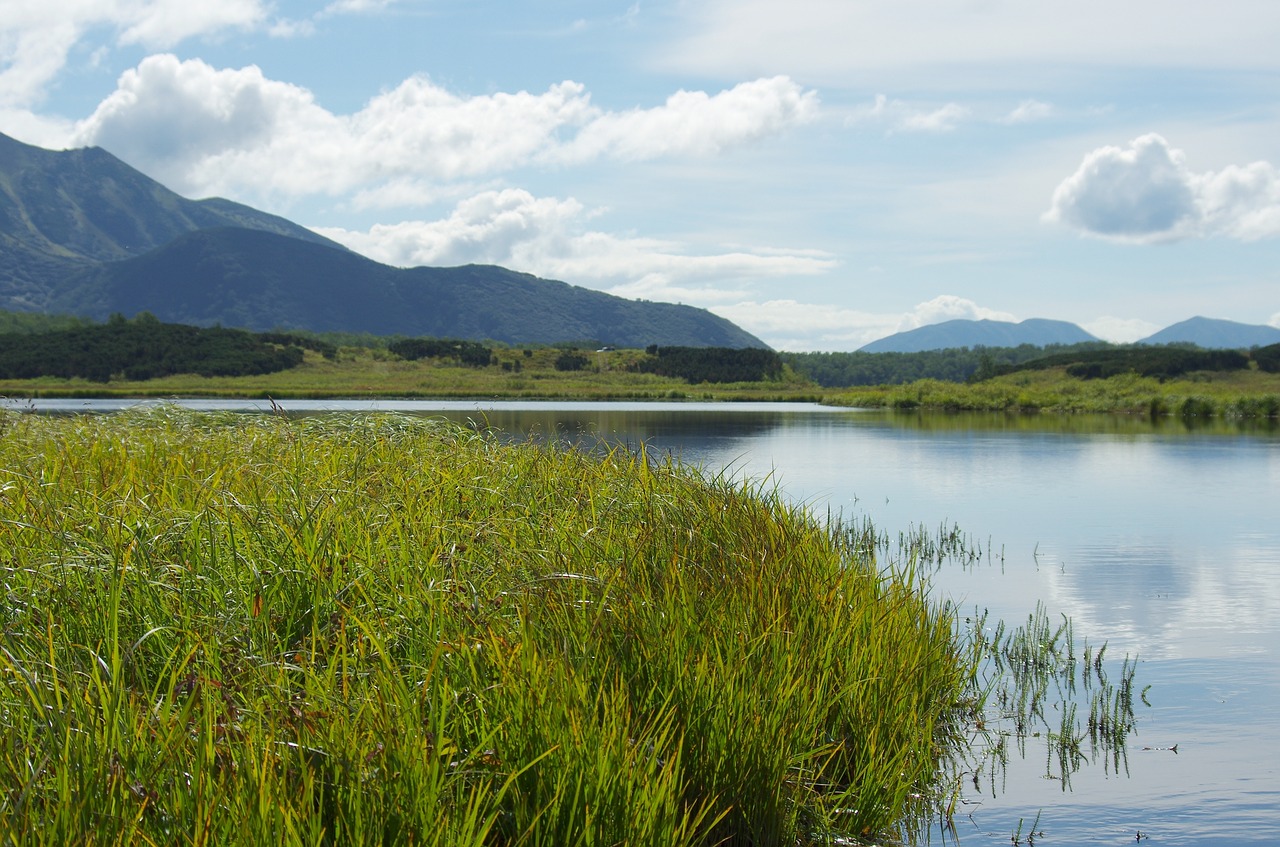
[(381, 629)]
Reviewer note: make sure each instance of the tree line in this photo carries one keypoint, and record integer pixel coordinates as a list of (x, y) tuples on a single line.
[(138, 349), (713, 364), (1090, 360), (1160, 362), (960, 364), (462, 352)]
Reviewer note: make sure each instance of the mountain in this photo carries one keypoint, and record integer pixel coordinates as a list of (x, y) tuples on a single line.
[(1212, 333), (82, 232), (260, 281), (985, 333), (61, 211)]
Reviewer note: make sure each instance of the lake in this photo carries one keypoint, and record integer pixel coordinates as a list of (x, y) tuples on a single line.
[(1163, 540)]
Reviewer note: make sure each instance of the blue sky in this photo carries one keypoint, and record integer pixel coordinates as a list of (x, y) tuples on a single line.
[(821, 172)]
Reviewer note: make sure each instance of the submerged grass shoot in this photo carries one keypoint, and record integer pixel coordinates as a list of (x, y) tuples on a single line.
[(382, 629)]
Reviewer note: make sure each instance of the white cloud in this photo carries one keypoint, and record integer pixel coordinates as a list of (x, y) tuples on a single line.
[(207, 130), (550, 237), (837, 42), (30, 57), (1029, 111), (947, 307), (1145, 193), (903, 117), (188, 124), (346, 7), (1275, 320), (1120, 330), (36, 36), (695, 123), (164, 23), (31, 128), (1241, 202)]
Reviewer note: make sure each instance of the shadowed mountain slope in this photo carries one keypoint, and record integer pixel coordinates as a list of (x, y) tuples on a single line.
[(259, 280), (61, 211)]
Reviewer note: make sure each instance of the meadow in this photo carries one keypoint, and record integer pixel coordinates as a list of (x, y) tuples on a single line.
[(360, 371), (390, 630)]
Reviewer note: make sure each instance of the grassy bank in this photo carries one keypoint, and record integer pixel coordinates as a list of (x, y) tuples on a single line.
[(1237, 394), (386, 630), (371, 372)]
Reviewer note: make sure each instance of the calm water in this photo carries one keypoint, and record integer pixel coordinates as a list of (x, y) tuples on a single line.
[(1162, 541)]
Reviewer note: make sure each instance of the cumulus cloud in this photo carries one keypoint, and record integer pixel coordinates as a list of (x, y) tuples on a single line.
[(1145, 193), (552, 237), (1275, 320), (209, 130), (36, 37), (903, 117), (948, 307), (693, 122)]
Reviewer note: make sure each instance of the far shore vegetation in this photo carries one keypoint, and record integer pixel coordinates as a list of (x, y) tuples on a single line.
[(56, 356)]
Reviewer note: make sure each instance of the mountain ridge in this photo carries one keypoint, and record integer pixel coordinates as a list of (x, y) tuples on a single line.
[(1209, 333), (1215, 333), (83, 232), (65, 210), (962, 332)]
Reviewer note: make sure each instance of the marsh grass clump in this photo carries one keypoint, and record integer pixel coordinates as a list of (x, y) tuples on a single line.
[(389, 630), (1036, 684)]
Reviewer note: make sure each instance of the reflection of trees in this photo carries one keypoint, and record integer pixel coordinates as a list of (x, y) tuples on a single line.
[(1082, 424), (665, 430)]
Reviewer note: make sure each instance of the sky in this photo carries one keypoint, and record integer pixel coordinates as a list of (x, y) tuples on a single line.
[(821, 172)]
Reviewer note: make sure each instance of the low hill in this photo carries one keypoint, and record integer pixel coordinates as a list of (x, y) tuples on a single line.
[(960, 333), (65, 210), (260, 280), (1212, 333)]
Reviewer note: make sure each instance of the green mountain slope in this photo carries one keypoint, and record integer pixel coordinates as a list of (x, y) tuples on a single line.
[(259, 280), (62, 211), (81, 232)]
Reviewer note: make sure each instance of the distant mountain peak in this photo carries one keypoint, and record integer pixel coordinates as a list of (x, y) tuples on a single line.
[(961, 333), (1215, 333)]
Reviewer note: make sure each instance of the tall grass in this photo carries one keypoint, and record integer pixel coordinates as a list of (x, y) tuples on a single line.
[(1246, 394), (384, 630)]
